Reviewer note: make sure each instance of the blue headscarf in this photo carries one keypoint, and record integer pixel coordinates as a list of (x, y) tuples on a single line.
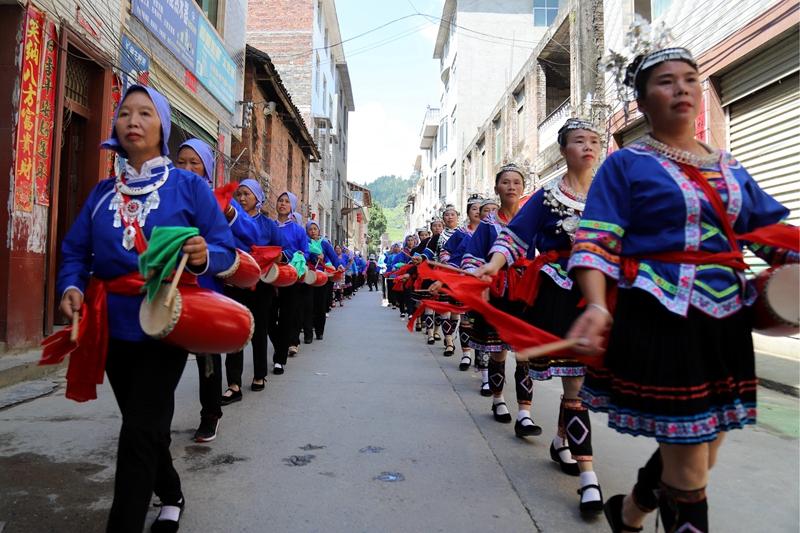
[(162, 108), (255, 187), (314, 222), (206, 156), (297, 217), (292, 201)]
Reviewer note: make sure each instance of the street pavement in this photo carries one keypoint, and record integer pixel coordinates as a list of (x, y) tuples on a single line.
[(370, 430)]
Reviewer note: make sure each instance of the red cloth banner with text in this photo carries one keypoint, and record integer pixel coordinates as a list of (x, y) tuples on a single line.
[(25, 147), (43, 158)]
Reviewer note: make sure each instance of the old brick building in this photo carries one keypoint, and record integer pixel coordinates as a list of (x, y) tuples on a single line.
[(276, 147)]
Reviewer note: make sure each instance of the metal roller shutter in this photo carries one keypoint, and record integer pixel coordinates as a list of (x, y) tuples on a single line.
[(635, 131), (762, 70), (764, 133)]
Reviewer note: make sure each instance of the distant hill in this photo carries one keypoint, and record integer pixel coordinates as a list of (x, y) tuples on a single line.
[(390, 191)]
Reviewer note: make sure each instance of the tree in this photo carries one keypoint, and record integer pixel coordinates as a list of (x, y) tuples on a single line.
[(376, 225)]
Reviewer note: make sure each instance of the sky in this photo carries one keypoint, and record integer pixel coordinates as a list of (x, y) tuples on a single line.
[(394, 78)]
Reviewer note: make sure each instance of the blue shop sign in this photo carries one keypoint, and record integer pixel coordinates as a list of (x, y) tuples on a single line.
[(135, 64), (174, 23), (215, 69)]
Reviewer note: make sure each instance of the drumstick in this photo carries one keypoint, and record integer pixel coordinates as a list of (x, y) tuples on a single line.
[(175, 279), (544, 349), (448, 267), (76, 318)]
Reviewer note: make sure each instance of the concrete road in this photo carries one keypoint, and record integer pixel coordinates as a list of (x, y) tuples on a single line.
[(397, 439)]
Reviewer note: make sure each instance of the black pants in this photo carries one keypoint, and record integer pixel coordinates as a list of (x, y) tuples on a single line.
[(258, 302), (314, 311), (383, 286), (372, 281), (348, 285), (281, 317), (144, 376), (210, 386), (391, 293), (328, 295), (303, 298)]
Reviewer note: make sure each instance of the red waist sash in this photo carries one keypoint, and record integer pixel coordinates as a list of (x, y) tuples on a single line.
[(527, 287), (87, 360)]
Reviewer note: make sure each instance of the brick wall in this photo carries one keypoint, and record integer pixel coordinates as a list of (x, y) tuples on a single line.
[(285, 30), (269, 143)]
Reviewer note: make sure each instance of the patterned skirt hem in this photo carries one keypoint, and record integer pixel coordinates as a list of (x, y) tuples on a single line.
[(489, 347), (557, 372)]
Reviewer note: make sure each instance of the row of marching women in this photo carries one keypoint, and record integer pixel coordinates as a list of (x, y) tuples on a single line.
[(158, 265), (625, 281)]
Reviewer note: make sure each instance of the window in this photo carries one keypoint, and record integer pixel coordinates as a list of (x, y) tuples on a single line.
[(481, 161), (442, 180), (326, 37), (452, 177), (328, 224), (319, 14), (544, 12), (443, 135), (319, 74), (324, 92), (453, 130), (520, 100), (330, 106), (209, 9), (498, 142), (659, 6)]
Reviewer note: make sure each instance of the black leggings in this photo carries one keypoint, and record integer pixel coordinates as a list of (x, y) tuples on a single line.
[(258, 302), (314, 311), (144, 376), (281, 317)]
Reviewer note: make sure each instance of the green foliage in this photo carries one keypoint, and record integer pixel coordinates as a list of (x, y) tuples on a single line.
[(395, 218), (390, 191), (377, 223)]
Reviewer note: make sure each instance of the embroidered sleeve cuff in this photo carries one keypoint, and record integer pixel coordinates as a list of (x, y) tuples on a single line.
[(590, 260), (427, 253)]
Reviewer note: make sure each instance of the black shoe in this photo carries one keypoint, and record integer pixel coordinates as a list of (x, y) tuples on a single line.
[(235, 397), (465, 363), (570, 469), (485, 390), (526, 431), (308, 340), (209, 425), (613, 512), (277, 369), (506, 418), (418, 327), (256, 387), (449, 350), (168, 526), (319, 336), (431, 340), (594, 506)]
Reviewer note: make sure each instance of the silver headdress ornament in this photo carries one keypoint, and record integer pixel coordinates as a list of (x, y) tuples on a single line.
[(436, 218), (449, 207), (518, 165), (420, 230), (474, 198), (494, 200), (645, 47), (583, 118)]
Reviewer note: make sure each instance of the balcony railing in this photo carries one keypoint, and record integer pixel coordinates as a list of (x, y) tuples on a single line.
[(430, 125), (548, 130)]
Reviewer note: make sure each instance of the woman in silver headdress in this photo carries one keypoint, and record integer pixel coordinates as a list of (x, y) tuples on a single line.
[(661, 222), (542, 232)]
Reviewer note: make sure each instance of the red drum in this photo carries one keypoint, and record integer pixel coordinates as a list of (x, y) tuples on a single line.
[(338, 275), (322, 278), (280, 275), (244, 273), (197, 320), (310, 277), (776, 313)]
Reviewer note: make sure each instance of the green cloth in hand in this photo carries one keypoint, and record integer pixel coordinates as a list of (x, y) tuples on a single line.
[(315, 247), (159, 260), (299, 263)]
